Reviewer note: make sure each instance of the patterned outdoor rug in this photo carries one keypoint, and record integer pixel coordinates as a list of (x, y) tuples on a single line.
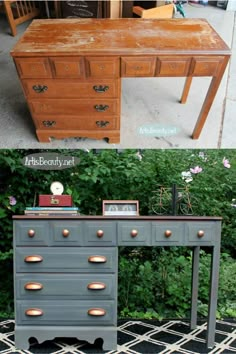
[(135, 337)]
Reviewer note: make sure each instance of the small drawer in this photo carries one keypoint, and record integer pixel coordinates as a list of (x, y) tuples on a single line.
[(64, 234), (68, 67), (103, 68), (65, 286), (138, 67), (202, 66), (33, 67), (134, 233), (71, 88), (101, 233), (73, 313), (168, 233), (167, 66), (31, 233), (201, 232), (65, 260)]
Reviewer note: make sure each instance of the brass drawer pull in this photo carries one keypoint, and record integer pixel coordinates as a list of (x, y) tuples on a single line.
[(200, 233), (100, 233), (33, 259), (49, 123), (31, 233), (97, 259), (96, 286), (34, 312), (96, 312), (168, 233), (40, 88), (33, 286), (134, 233), (102, 123), (100, 88), (65, 233), (101, 107)]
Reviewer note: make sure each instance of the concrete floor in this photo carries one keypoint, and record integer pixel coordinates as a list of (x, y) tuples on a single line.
[(144, 101)]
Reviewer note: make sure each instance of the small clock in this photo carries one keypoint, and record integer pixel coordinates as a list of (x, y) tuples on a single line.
[(56, 188)]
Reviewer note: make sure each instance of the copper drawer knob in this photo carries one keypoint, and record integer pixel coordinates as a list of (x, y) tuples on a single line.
[(65, 233), (33, 286), (200, 233), (100, 233), (33, 259), (34, 312), (97, 259), (96, 286), (31, 233), (134, 233), (168, 233), (96, 312)]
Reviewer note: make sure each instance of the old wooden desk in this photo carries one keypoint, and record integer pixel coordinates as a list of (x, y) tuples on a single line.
[(66, 271), (71, 69)]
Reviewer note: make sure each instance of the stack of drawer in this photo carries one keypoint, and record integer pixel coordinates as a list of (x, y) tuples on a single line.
[(65, 280)]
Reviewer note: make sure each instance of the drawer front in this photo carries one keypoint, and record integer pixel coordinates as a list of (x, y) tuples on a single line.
[(65, 286), (202, 66), (102, 67), (134, 233), (73, 313), (97, 107), (100, 233), (201, 232), (31, 233), (33, 67), (138, 67), (68, 67), (61, 259), (167, 66), (64, 234), (71, 88), (168, 233)]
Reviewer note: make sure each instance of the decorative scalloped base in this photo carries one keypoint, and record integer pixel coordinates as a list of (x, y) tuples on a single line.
[(43, 333)]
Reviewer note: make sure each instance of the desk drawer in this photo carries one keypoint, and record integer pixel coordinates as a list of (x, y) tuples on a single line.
[(138, 67), (201, 232), (134, 233), (35, 232), (63, 260), (71, 313), (33, 67), (168, 233), (71, 88), (202, 66), (169, 66), (102, 67), (65, 67), (65, 286)]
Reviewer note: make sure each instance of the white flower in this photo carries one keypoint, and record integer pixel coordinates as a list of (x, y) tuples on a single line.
[(186, 176)]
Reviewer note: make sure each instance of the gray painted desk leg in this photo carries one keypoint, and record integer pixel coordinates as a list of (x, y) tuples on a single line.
[(215, 263), (195, 276)]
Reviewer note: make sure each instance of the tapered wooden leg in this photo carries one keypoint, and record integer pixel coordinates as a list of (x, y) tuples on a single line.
[(195, 276), (186, 89)]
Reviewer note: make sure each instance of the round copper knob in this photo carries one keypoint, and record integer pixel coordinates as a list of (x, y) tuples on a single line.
[(168, 233), (31, 233), (200, 233), (65, 233), (100, 233), (134, 233)]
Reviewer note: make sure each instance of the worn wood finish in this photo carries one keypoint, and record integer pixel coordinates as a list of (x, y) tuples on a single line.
[(105, 50)]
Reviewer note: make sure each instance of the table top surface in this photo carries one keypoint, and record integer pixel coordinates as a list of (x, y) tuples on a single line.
[(129, 36)]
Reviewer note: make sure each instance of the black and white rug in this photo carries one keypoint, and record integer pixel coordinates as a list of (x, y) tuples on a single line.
[(147, 337)]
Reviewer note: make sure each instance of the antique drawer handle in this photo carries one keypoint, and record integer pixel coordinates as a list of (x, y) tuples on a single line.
[(31, 233), (100, 233), (96, 286), (33, 259), (34, 312), (100, 88), (134, 233), (97, 259), (102, 123), (65, 233), (96, 312), (33, 286), (49, 123), (101, 107), (168, 233), (200, 233), (40, 88)]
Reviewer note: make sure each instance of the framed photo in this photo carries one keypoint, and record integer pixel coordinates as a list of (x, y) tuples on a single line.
[(120, 207)]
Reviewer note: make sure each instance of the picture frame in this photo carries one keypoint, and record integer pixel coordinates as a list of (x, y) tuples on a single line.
[(120, 207)]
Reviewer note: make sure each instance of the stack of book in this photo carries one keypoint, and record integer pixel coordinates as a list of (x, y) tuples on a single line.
[(51, 211)]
